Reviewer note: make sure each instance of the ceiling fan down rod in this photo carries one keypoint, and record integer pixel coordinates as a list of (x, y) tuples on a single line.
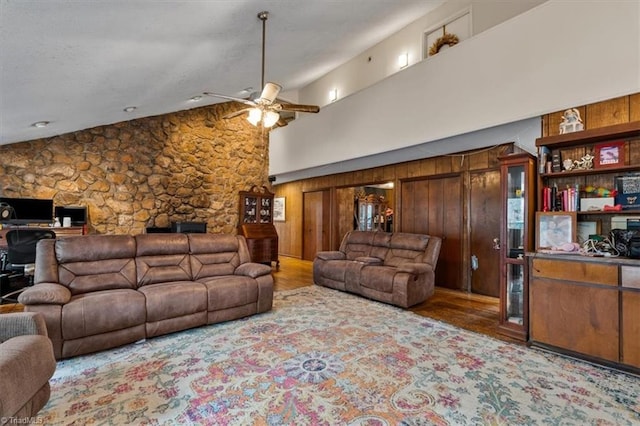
[(263, 17)]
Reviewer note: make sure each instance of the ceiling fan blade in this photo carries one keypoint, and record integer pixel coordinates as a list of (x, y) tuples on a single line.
[(270, 92), (235, 113), (284, 121), (232, 98), (300, 108)]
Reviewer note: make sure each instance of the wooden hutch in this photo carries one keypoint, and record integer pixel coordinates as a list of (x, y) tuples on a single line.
[(256, 225)]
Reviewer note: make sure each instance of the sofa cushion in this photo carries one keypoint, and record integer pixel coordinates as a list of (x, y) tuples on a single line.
[(214, 255), (379, 278), (230, 291), (174, 299), (99, 312), (405, 247), (357, 244), (96, 262), (162, 258)]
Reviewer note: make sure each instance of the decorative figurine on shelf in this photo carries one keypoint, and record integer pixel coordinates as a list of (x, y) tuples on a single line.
[(600, 192), (568, 164), (585, 163), (571, 121)]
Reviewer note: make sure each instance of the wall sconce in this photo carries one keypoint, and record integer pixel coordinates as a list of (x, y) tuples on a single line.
[(403, 60), (333, 95)]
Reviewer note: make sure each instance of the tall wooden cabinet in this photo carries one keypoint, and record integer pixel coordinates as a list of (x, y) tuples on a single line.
[(256, 225), (518, 177)]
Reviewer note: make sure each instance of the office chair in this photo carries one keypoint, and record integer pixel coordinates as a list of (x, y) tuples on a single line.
[(21, 258)]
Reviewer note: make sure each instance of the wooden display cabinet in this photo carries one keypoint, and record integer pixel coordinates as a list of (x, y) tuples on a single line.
[(256, 225), (516, 237), (586, 306), (372, 213)]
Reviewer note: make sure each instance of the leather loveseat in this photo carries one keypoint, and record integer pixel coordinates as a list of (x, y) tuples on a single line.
[(395, 268), (102, 291)]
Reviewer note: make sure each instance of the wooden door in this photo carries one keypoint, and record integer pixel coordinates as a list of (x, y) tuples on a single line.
[(316, 215), (434, 207), (484, 222)]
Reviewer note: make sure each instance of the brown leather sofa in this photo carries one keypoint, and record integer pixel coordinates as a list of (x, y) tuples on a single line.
[(26, 365), (102, 291), (395, 268)]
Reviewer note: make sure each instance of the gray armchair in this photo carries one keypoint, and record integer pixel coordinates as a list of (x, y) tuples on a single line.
[(26, 365)]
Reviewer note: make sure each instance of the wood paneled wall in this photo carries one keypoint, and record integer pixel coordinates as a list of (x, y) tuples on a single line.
[(290, 231), (624, 109)]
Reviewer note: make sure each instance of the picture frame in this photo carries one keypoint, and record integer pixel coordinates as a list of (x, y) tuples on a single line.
[(609, 154), (279, 209), (586, 228), (553, 229)]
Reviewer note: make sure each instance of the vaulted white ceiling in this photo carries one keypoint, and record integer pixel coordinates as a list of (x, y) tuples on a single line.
[(79, 64)]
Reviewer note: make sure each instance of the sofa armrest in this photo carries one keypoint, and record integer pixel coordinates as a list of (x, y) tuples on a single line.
[(253, 270), (414, 268), (21, 324), (45, 294), (26, 365), (331, 255)]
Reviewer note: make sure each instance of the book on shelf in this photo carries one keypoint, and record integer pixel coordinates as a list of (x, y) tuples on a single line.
[(556, 161), (555, 199), (544, 157)]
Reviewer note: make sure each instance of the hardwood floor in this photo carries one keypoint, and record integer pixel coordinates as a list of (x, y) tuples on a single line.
[(469, 311), (473, 312)]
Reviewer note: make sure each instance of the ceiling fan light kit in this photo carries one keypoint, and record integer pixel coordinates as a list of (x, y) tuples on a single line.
[(265, 109)]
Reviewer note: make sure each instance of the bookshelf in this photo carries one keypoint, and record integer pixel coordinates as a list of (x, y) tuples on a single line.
[(589, 191)]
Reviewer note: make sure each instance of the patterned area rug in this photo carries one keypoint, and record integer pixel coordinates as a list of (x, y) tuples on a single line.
[(323, 357)]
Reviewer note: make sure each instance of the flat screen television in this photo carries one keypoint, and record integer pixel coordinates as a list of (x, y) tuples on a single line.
[(27, 210)]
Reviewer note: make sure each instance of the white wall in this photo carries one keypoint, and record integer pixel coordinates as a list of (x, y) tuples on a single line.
[(557, 55), (360, 72)]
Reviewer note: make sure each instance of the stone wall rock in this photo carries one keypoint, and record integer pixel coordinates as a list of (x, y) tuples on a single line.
[(185, 166)]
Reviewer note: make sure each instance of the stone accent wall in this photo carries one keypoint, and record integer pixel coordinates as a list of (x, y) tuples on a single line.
[(184, 166)]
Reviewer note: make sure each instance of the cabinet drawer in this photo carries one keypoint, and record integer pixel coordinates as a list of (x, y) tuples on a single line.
[(576, 271), (630, 276)]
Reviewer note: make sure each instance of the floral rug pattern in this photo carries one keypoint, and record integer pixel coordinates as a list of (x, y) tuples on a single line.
[(323, 357)]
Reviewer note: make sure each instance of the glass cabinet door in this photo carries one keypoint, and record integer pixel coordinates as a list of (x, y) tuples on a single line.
[(250, 210), (515, 212), (515, 296), (518, 186), (265, 210)]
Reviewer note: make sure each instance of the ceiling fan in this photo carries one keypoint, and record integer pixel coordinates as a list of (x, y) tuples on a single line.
[(265, 109)]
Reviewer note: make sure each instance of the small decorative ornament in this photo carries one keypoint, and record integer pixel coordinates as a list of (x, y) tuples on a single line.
[(571, 122), (447, 39), (585, 163), (568, 164)]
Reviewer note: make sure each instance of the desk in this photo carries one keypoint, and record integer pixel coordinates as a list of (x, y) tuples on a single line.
[(70, 230)]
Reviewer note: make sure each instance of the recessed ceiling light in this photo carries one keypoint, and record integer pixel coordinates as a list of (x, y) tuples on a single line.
[(196, 98), (41, 124), (129, 109)]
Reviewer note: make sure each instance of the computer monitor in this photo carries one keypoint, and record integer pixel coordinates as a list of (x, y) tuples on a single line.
[(26, 210), (78, 215)]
